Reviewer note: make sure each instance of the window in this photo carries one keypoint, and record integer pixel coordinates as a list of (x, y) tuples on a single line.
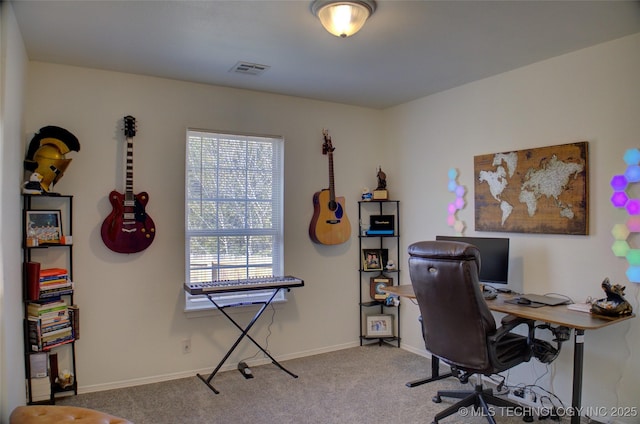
[(233, 212)]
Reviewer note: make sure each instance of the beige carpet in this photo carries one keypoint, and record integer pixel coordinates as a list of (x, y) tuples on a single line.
[(356, 385)]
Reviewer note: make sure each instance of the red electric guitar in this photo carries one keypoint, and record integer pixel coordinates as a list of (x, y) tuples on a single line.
[(329, 224), (128, 228)]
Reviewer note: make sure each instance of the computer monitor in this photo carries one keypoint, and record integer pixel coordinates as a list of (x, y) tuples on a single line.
[(494, 257)]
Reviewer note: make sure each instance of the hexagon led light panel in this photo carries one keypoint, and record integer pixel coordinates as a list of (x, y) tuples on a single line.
[(619, 183), (633, 257), (620, 248), (620, 199), (633, 274), (632, 157), (633, 224), (459, 203), (620, 232)]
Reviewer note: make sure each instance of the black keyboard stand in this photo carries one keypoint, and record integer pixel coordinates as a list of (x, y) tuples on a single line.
[(245, 332)]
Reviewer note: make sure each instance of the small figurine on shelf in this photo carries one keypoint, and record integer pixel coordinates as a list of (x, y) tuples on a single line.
[(363, 228), (366, 194), (32, 236), (381, 193), (392, 301), (65, 379), (382, 179), (391, 265), (33, 186)]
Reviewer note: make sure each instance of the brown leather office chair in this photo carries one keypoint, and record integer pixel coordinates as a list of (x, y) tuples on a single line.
[(458, 326)]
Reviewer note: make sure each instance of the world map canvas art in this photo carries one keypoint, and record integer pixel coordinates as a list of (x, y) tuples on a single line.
[(541, 190)]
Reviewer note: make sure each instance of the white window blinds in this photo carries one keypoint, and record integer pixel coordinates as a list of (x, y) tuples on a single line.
[(233, 211)]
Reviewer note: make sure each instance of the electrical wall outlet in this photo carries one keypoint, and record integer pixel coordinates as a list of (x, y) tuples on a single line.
[(186, 346)]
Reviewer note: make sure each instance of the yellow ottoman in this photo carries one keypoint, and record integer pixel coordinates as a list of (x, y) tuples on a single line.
[(49, 414)]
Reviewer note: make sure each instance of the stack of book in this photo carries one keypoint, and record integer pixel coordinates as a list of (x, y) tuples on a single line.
[(54, 282), (49, 325)]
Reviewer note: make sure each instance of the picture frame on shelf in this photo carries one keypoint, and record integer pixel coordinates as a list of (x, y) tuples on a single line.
[(377, 285), (43, 227), (372, 260), (379, 326)]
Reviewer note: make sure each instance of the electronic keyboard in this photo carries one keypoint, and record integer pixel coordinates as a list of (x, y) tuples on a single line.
[(255, 283)]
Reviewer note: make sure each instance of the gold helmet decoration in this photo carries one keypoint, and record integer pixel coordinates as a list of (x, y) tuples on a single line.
[(46, 154)]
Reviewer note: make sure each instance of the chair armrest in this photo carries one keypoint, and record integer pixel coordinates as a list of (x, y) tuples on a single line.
[(507, 349), (510, 322), (513, 321)]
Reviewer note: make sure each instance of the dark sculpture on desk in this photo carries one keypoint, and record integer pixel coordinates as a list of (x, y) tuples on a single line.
[(614, 304)]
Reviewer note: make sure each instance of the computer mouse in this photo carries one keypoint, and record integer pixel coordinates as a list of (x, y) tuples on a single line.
[(524, 301)]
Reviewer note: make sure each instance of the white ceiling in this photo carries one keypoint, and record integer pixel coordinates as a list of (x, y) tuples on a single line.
[(407, 49)]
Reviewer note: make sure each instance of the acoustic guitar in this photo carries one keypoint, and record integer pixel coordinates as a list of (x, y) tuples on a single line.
[(128, 228), (330, 224)]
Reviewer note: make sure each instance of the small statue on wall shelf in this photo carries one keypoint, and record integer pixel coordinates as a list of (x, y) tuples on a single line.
[(33, 186), (381, 193), (65, 379), (382, 180)]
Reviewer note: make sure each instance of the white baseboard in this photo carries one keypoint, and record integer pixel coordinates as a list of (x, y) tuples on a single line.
[(206, 371), (417, 351)]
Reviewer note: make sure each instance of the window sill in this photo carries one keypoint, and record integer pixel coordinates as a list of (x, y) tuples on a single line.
[(212, 311)]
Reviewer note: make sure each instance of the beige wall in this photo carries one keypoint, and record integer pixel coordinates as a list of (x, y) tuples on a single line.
[(131, 305), (591, 95), (13, 63)]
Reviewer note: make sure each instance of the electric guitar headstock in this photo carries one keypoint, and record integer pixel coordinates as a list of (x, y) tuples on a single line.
[(327, 147), (129, 126)]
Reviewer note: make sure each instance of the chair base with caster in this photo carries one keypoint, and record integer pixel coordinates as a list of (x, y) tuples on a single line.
[(480, 398)]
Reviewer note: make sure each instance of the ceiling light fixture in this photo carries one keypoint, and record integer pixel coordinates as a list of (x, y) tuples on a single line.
[(343, 18)]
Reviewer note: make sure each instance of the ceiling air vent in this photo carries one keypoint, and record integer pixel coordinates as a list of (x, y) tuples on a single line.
[(249, 68)]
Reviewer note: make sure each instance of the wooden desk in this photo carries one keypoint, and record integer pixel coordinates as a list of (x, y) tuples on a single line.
[(559, 315)]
